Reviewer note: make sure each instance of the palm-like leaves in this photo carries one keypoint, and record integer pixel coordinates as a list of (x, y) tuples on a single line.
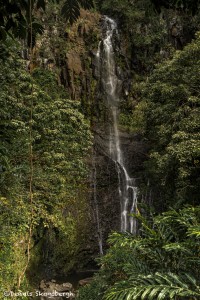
[(155, 265), (156, 286), (86, 4), (194, 231), (15, 17), (71, 9)]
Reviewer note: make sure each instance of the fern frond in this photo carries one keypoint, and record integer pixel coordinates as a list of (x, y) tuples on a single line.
[(71, 10), (194, 231), (155, 286)]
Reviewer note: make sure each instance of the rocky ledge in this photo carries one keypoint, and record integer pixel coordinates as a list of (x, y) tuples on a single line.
[(53, 290)]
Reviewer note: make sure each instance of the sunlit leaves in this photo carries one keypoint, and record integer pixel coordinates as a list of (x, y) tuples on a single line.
[(157, 286), (162, 263), (61, 140)]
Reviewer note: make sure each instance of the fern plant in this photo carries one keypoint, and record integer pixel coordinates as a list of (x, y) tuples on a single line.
[(155, 286), (163, 262), (161, 259)]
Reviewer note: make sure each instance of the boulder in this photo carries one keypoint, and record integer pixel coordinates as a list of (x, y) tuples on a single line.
[(85, 281), (53, 290)]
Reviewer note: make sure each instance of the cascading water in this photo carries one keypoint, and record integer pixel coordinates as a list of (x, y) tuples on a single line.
[(110, 88)]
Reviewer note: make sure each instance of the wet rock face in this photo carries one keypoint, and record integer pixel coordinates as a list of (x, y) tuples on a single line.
[(107, 196), (82, 41), (177, 34), (107, 193), (107, 180), (181, 31), (134, 149)]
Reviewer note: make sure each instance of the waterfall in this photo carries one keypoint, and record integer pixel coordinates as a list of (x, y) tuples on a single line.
[(110, 86)]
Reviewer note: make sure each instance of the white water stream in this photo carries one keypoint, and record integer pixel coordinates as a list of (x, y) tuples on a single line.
[(110, 85)]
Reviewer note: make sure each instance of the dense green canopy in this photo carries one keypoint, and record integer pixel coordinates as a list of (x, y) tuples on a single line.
[(60, 139)]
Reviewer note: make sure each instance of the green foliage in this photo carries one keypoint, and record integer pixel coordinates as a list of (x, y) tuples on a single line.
[(20, 19), (185, 5), (172, 128), (60, 141), (158, 286), (92, 291), (161, 260), (162, 263), (16, 19), (132, 118), (144, 32), (71, 9)]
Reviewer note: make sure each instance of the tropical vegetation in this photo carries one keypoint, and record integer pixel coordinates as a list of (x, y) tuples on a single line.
[(46, 145), (162, 260), (45, 141), (160, 263)]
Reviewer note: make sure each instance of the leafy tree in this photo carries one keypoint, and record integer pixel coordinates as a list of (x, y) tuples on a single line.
[(21, 18), (18, 19), (60, 141), (172, 127)]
